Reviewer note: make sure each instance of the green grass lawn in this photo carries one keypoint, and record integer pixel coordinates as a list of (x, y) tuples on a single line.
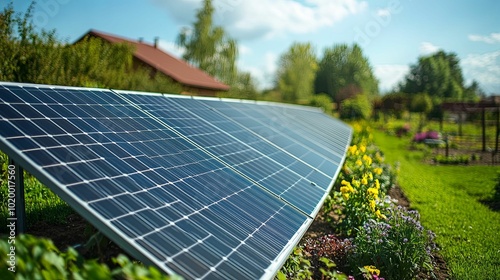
[(449, 201)]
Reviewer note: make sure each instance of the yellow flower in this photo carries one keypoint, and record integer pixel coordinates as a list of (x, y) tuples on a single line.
[(359, 162), (378, 170), (367, 159), (345, 196), (380, 215), (352, 149), (370, 175), (373, 192), (372, 269), (377, 184), (345, 183), (344, 189), (364, 181), (362, 148), (372, 205), (356, 127)]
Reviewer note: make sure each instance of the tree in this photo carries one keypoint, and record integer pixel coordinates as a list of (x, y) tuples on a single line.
[(208, 47), (439, 75), (296, 72), (38, 57), (244, 87), (344, 72), (473, 92), (395, 103)]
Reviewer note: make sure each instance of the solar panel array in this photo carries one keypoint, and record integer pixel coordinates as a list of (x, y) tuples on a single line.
[(200, 187)]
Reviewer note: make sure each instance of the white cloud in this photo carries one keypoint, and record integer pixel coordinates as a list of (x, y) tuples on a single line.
[(264, 18), (390, 75), (242, 49), (427, 48), (265, 72), (384, 12), (171, 48), (272, 18), (490, 39), (484, 68)]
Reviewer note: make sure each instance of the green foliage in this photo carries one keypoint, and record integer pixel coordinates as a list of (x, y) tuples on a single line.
[(38, 57), (363, 184), (399, 246), (329, 271), (473, 92), (421, 103), (461, 159), (395, 103), (439, 75), (323, 101), (297, 266), (243, 88), (39, 258), (358, 107), (208, 47), (296, 72), (344, 72)]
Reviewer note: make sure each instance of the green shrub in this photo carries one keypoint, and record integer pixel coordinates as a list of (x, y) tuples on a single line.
[(297, 266), (38, 258), (356, 108), (461, 159), (323, 101), (398, 246)]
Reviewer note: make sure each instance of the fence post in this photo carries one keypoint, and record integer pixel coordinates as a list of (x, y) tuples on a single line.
[(483, 120), (498, 129)]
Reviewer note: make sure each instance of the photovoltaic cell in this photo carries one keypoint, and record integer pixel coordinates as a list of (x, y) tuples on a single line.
[(272, 167), (283, 133), (176, 182)]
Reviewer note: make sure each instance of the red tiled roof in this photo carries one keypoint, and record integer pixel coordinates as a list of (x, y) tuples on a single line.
[(175, 68)]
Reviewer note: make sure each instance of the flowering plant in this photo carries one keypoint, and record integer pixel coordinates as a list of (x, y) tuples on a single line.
[(420, 137), (361, 188), (399, 246)]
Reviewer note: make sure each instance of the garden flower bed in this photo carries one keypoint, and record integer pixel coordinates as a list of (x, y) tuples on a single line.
[(363, 233)]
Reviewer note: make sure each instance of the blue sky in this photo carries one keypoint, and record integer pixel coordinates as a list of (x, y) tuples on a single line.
[(392, 33)]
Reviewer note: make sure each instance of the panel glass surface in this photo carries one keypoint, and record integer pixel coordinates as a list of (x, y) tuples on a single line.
[(302, 186), (152, 191), (271, 123)]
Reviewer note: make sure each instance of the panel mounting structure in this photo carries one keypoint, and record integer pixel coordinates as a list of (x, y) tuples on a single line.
[(200, 187)]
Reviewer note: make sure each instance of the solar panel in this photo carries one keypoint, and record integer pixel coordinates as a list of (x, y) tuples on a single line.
[(301, 185), (270, 123), (172, 181)]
